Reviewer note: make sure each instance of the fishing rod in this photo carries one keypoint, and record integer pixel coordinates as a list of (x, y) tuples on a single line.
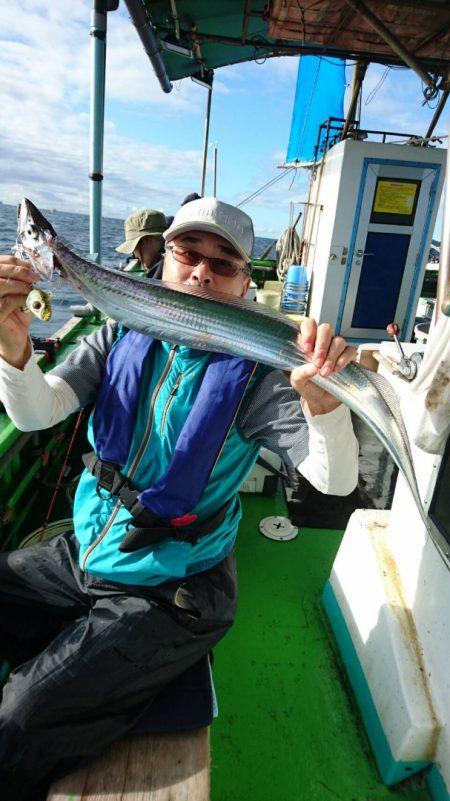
[(58, 484)]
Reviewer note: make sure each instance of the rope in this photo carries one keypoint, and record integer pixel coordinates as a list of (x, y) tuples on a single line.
[(288, 249), (266, 186)]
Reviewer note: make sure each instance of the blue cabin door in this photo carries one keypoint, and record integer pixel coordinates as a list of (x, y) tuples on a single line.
[(387, 253)]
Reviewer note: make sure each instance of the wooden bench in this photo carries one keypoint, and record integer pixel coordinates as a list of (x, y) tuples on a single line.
[(144, 767)]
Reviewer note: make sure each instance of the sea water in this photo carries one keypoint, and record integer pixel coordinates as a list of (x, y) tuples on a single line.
[(74, 229)]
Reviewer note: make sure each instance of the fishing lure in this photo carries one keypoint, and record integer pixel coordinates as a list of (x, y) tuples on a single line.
[(38, 303)]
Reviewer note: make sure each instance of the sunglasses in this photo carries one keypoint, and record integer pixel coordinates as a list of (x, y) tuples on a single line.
[(217, 266)]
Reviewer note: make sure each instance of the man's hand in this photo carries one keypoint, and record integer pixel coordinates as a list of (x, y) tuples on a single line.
[(328, 355), (16, 280)]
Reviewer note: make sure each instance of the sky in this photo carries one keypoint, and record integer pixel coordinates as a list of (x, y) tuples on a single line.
[(153, 141)]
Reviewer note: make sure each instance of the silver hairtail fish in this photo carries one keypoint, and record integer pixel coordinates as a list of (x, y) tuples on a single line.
[(212, 321)]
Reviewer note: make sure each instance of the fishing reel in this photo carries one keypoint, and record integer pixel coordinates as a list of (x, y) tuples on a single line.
[(46, 346)]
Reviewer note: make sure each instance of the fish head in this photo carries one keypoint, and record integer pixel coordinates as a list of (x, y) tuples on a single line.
[(34, 238)]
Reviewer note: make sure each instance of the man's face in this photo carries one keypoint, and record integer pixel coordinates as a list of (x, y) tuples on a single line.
[(147, 248), (204, 274)]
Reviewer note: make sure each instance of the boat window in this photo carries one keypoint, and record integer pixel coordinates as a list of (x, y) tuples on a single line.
[(440, 502)]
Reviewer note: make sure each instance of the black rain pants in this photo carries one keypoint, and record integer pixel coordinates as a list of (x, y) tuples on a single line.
[(89, 656)]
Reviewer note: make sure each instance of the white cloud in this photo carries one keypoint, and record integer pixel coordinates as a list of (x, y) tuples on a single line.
[(130, 77), (383, 99), (45, 93), (130, 175), (153, 140)]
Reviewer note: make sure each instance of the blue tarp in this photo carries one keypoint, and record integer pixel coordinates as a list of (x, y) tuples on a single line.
[(319, 94)]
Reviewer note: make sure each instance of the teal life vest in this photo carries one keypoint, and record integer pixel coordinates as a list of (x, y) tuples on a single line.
[(163, 401), (170, 500)]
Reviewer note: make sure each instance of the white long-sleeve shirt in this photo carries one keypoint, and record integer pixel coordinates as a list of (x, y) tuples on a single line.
[(325, 451)]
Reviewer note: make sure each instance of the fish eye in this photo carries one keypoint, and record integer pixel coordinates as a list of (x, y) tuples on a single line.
[(32, 231)]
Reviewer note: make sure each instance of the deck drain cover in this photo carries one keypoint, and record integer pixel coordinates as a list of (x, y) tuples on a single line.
[(278, 528)]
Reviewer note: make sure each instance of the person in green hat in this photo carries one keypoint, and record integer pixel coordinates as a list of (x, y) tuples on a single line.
[(143, 239)]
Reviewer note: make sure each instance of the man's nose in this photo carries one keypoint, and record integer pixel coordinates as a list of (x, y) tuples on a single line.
[(201, 273)]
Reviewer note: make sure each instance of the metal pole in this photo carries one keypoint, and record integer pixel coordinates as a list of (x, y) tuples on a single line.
[(439, 109), (98, 61), (205, 141), (358, 77), (443, 284), (147, 35), (392, 41), (215, 173)]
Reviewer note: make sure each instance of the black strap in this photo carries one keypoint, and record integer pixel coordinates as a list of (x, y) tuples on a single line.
[(267, 466), (145, 528), (107, 474), (116, 485), (140, 537)]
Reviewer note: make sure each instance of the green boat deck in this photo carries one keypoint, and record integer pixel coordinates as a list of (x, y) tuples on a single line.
[(288, 727)]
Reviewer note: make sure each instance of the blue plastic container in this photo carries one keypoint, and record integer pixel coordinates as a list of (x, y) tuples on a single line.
[(297, 274), (294, 298)]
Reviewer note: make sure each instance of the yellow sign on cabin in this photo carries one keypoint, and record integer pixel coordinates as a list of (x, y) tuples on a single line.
[(395, 197)]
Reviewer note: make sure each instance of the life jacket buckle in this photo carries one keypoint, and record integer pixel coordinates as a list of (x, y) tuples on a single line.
[(184, 520), (103, 494), (109, 478)]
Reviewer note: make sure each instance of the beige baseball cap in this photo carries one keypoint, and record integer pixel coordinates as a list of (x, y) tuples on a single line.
[(210, 214)]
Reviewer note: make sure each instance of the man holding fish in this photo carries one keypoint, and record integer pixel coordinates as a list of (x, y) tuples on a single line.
[(145, 584)]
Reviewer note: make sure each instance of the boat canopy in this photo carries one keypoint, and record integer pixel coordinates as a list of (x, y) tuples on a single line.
[(194, 37)]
